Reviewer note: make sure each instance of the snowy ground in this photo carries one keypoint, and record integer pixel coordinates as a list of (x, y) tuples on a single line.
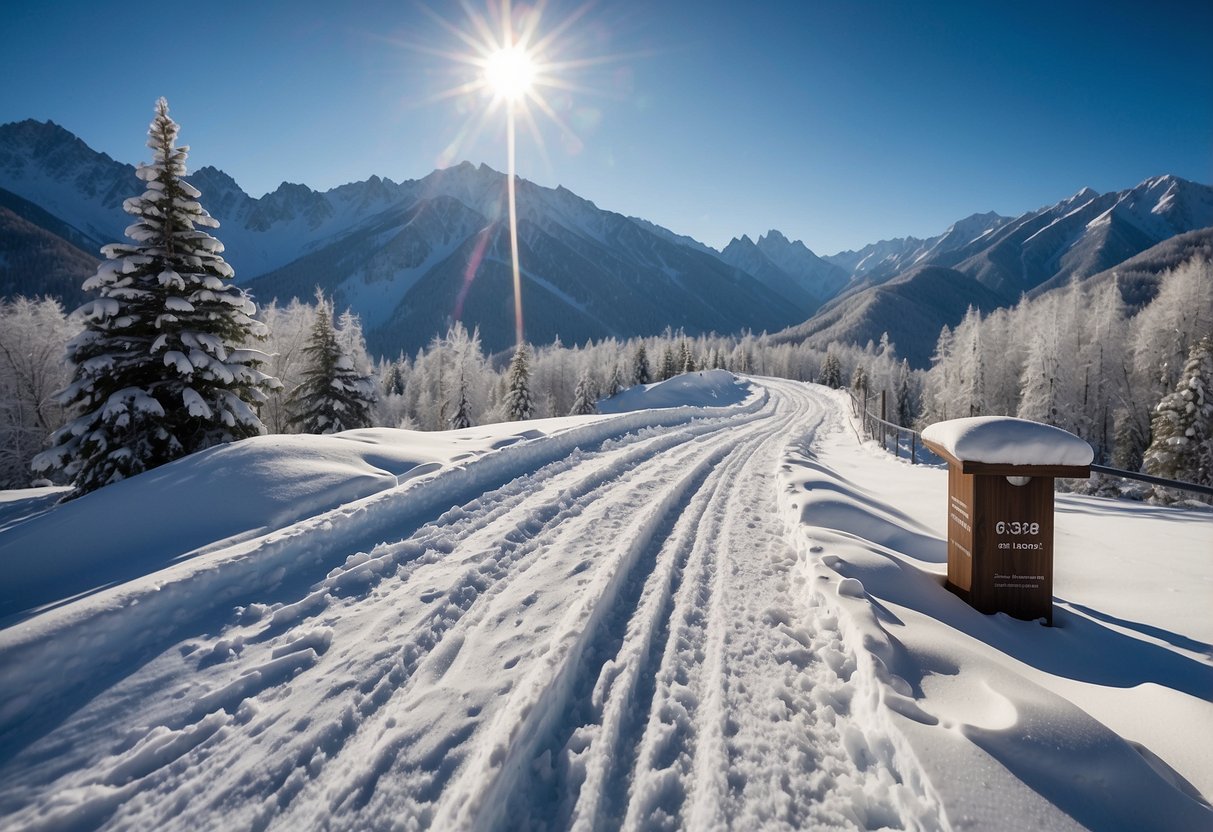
[(724, 614)]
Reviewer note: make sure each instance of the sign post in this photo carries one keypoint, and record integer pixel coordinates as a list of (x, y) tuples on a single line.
[(1000, 509)]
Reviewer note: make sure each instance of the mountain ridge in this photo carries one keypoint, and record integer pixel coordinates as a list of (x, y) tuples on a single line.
[(382, 248)]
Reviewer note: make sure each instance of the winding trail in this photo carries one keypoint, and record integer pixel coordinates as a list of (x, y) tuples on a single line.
[(623, 635)]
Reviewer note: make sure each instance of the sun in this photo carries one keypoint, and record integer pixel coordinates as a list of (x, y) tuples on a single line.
[(510, 73)]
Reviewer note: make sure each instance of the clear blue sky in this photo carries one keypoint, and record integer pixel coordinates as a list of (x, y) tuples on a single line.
[(839, 123)]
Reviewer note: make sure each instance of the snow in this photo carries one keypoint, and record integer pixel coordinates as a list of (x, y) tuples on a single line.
[(1005, 440), (718, 609), (707, 388)]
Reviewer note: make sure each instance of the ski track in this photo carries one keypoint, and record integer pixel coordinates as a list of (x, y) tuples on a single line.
[(621, 631)]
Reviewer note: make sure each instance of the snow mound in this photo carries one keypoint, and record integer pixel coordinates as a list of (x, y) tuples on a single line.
[(708, 388), (1005, 440), (211, 499)]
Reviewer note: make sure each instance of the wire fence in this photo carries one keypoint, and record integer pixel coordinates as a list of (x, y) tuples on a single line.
[(900, 440)]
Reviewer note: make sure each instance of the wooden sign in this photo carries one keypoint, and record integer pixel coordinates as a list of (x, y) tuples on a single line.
[(1000, 534)]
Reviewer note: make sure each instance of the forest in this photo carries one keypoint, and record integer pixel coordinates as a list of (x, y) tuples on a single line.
[(1079, 358)]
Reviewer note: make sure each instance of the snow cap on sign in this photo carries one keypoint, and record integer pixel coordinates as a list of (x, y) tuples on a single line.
[(1005, 440)]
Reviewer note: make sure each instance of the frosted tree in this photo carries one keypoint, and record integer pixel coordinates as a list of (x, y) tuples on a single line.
[(161, 369), (615, 382), (1003, 355), (686, 360), (334, 394), (640, 365), (1158, 342), (289, 328), (970, 394), (1051, 393), (391, 410), (585, 398), (1182, 427), (393, 377), (859, 382), (831, 372), (1102, 368), (904, 398), (462, 417), (32, 336), (465, 379), (517, 404)]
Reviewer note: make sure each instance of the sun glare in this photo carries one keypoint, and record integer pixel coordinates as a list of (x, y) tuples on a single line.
[(510, 73), (515, 60)]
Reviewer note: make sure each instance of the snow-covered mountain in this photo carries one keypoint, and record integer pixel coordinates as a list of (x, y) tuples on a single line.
[(911, 307), (886, 258), (35, 260), (412, 257), (991, 261), (788, 268)]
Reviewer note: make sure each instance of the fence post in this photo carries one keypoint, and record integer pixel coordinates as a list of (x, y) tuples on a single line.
[(913, 447), (884, 417)]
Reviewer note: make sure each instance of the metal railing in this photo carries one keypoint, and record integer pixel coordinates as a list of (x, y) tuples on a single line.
[(882, 430), (1177, 485), (891, 436)]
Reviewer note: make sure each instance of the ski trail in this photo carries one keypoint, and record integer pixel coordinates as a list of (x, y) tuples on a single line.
[(617, 629)]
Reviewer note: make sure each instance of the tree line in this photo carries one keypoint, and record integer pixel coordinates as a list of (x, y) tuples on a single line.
[(1078, 358)]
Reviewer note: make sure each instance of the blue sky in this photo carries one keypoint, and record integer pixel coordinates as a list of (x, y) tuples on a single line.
[(837, 123)]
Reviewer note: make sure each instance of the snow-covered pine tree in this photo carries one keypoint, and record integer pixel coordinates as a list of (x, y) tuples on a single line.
[(161, 369), (585, 397), (669, 364), (831, 371), (640, 366), (1182, 427), (462, 407), (518, 405), (393, 377), (334, 394), (686, 360), (615, 382)]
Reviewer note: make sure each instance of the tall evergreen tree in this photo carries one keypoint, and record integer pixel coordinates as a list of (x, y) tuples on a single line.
[(640, 366), (831, 372), (585, 398), (1182, 427), (906, 411), (686, 360), (669, 364), (462, 417), (518, 405), (334, 394), (615, 383), (161, 369)]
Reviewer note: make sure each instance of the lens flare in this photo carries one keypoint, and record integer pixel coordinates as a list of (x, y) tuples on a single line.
[(514, 57), (510, 73)]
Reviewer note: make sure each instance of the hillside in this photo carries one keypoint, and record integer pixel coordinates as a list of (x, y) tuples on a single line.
[(912, 308)]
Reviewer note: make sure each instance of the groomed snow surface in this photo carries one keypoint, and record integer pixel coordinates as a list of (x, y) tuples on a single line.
[(726, 612)]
